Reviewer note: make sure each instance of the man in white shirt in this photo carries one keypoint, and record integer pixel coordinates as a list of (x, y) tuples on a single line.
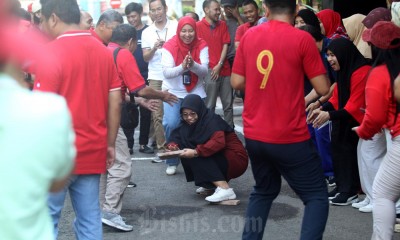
[(153, 39)]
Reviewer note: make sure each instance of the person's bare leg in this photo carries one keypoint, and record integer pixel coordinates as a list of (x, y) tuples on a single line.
[(221, 184)]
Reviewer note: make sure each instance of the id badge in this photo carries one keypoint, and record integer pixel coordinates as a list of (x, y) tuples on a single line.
[(186, 78)]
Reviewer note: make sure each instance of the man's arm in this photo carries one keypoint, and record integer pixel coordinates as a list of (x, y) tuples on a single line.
[(236, 14), (148, 53), (236, 45), (321, 84), (238, 82), (151, 93), (113, 119), (215, 71)]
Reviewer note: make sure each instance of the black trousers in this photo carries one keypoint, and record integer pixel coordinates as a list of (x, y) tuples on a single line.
[(144, 125)]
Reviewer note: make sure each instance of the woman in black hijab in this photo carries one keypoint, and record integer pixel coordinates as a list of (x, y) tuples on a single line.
[(344, 110), (307, 16), (212, 153)]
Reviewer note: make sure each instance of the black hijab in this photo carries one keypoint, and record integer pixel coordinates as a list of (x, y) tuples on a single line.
[(189, 136), (350, 59), (309, 18)]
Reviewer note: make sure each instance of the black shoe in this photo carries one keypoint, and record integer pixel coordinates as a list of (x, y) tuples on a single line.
[(131, 185), (331, 181), (343, 199), (332, 194), (146, 149), (130, 151)]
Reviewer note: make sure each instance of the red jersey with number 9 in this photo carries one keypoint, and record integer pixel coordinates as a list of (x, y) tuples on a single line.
[(273, 58)]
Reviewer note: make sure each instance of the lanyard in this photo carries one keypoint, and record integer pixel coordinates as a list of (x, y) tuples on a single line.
[(166, 32)]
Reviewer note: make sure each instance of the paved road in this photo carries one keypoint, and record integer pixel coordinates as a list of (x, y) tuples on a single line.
[(166, 207)]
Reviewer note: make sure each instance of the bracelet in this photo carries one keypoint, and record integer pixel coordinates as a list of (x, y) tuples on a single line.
[(221, 63), (320, 103)]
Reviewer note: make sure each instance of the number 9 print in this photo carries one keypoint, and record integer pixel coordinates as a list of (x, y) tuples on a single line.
[(267, 70)]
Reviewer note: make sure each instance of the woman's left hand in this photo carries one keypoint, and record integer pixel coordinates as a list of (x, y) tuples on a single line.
[(322, 117), (188, 153)]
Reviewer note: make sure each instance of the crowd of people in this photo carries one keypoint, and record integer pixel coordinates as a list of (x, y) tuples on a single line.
[(324, 115)]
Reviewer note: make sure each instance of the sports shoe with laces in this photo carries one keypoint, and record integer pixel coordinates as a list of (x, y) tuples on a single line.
[(171, 170), (343, 199), (366, 209), (331, 181), (332, 194), (361, 204), (131, 185), (146, 149), (221, 194), (157, 160), (114, 220)]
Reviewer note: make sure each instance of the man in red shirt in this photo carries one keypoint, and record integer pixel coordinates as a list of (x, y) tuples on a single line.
[(250, 11), (217, 82), (116, 180), (86, 76), (274, 118), (108, 20)]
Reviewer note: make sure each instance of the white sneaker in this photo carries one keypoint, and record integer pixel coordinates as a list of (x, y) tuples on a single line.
[(114, 220), (397, 228), (361, 204), (366, 209), (221, 194), (171, 170)]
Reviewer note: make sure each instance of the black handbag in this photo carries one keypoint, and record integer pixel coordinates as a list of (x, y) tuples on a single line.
[(129, 110)]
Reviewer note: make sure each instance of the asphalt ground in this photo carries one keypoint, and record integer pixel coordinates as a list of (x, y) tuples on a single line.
[(167, 207)]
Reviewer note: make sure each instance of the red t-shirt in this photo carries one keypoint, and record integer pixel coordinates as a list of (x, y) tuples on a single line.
[(380, 106), (94, 34), (357, 96), (242, 29), (275, 112), (84, 74), (128, 70), (215, 37)]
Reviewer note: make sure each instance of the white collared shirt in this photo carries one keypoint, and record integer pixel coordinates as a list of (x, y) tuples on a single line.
[(149, 38)]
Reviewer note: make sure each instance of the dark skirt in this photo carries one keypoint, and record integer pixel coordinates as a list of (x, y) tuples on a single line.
[(344, 156), (206, 170)]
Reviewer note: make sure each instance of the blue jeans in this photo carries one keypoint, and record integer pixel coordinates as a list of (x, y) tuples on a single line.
[(322, 140), (300, 165), (84, 194), (171, 120)]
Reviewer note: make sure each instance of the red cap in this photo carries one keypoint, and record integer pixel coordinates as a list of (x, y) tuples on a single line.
[(384, 35)]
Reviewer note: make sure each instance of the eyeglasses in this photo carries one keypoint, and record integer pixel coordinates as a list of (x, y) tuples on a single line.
[(187, 115), (157, 10)]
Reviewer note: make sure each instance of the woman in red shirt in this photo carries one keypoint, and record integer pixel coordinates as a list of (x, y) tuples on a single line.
[(382, 112), (212, 153), (343, 109)]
